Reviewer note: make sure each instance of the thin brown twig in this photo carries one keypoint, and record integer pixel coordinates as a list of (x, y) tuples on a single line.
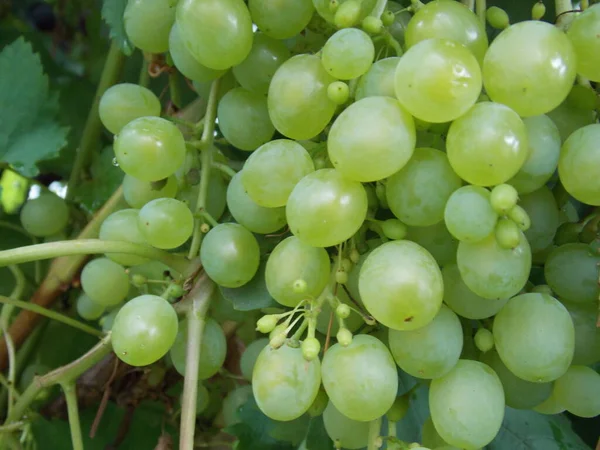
[(104, 401)]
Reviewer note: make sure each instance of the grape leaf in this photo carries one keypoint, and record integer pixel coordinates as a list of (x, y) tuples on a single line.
[(253, 295), (316, 437), (112, 13)]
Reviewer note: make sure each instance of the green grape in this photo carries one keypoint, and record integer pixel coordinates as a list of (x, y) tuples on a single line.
[(267, 54), (418, 193), (105, 282), (473, 395), (216, 201), (402, 18), (437, 240), (430, 436), (45, 215), (438, 80), (394, 229), (122, 103), (88, 309), (484, 340), (578, 391), (185, 62), (379, 80), (325, 10), (372, 25), (497, 18), (542, 209), (371, 139), (123, 226), (538, 10), (469, 215), (500, 131), (230, 255), (232, 402), (583, 33), (250, 355), (544, 149), (507, 233), (571, 271), (351, 434), (148, 23), (401, 285), (347, 14), (568, 118), (587, 335), (348, 54), (284, 383), (550, 406), (294, 260), (137, 192), (530, 67), (212, 350), (535, 337), (281, 19), (503, 198), (430, 351), (338, 92), (166, 223), (217, 33), (448, 20), (244, 119), (579, 156), (520, 217), (325, 209), (144, 330), (345, 371), (272, 171), (150, 148), (298, 103)]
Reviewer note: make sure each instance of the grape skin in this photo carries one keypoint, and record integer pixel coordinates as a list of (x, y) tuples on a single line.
[(351, 434), (105, 281), (122, 103), (123, 226), (44, 216), (165, 223)]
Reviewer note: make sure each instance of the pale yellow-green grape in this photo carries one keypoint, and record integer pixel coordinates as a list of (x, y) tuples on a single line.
[(122, 103), (250, 355), (123, 226), (45, 215), (401, 285), (217, 195), (323, 9), (543, 212), (583, 33), (148, 23), (587, 335), (351, 434), (360, 379), (271, 172), (437, 240), (372, 139), (379, 79), (430, 351), (438, 80), (284, 383), (578, 391), (137, 192), (550, 406), (281, 19), (469, 215), (417, 193), (218, 33), (248, 213), (484, 340), (292, 260), (185, 62), (535, 337), (579, 158), (507, 233), (492, 271), (165, 223), (244, 119), (473, 395), (298, 103), (348, 54), (544, 148), (495, 128), (105, 282), (256, 71), (232, 402), (325, 209), (89, 309), (530, 67), (569, 117)]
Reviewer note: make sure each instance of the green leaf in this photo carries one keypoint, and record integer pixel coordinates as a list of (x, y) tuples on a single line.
[(409, 428), (316, 437), (253, 295), (112, 13)]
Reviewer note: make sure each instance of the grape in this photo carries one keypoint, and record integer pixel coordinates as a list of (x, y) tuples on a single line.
[(347, 14), (281, 19), (430, 351), (338, 92), (379, 80), (401, 285), (348, 54), (137, 192), (298, 103), (520, 217), (535, 337), (294, 260), (244, 119), (583, 33), (448, 20), (216, 201), (418, 193), (232, 402), (507, 233), (166, 223), (484, 340), (467, 405), (123, 226), (45, 215), (230, 255), (256, 71), (569, 117), (438, 80), (587, 335), (372, 139), (401, 19), (149, 148), (430, 436), (144, 330), (530, 67), (105, 282), (503, 198), (500, 131), (272, 171), (217, 33), (325, 209), (579, 156), (436, 240), (148, 22), (351, 434), (284, 383), (122, 103), (250, 355), (543, 212), (360, 379), (578, 391), (212, 350), (571, 271), (469, 215), (549, 406), (497, 18), (88, 309)]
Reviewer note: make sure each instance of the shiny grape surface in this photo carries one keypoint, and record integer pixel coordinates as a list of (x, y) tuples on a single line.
[(105, 282), (348, 54), (468, 214), (148, 23), (124, 102)]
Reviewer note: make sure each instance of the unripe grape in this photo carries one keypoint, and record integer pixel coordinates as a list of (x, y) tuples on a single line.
[(507, 233), (354, 256), (538, 10), (372, 25), (415, 445), (484, 340), (278, 330), (175, 290), (342, 311), (267, 323), (334, 5), (497, 18), (319, 404), (398, 409), (394, 229), (543, 289), (299, 286), (503, 198), (347, 14), (341, 277), (205, 228), (311, 348), (138, 280), (344, 337), (346, 265), (387, 18), (338, 92), (278, 340), (520, 217)]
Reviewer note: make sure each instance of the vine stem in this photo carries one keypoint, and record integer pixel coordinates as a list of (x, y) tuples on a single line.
[(70, 390), (224, 168), (480, 9), (374, 429)]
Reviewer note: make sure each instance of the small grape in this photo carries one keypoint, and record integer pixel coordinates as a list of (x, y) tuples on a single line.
[(518, 215), (310, 348), (503, 198), (354, 256), (343, 311), (338, 92), (538, 10), (44, 216), (341, 277), (267, 323), (507, 233), (399, 409), (484, 340), (387, 18), (334, 5), (344, 337), (372, 25), (347, 14), (394, 229), (497, 18)]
